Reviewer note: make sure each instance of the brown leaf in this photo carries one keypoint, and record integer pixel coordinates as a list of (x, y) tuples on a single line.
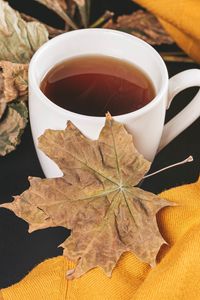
[(12, 127), (80, 2), (37, 218), (51, 30), (14, 81), (71, 8), (2, 105), (19, 39), (143, 25), (84, 9), (67, 7), (97, 198), (2, 109), (60, 8)]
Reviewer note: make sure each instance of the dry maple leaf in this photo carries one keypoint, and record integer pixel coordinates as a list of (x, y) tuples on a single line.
[(51, 30), (18, 42), (13, 86), (143, 25), (14, 81), (2, 104), (12, 126), (60, 8), (96, 198), (19, 39), (84, 9)]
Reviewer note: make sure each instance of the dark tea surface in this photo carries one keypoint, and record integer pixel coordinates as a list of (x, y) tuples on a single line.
[(94, 85)]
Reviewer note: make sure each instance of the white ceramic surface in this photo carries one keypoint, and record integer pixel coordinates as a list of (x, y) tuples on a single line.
[(147, 123)]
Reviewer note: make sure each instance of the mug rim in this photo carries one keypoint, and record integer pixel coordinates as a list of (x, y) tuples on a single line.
[(57, 108)]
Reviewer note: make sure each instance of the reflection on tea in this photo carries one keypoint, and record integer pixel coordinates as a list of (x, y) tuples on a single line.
[(93, 85)]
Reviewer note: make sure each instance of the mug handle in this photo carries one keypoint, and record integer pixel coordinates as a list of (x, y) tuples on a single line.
[(190, 113)]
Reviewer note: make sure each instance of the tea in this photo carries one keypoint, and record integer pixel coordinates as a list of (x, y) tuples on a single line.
[(93, 85)]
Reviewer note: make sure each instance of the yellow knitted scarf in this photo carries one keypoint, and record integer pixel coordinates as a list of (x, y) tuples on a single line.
[(181, 19)]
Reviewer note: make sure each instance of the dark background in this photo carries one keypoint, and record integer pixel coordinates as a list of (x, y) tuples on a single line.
[(20, 251)]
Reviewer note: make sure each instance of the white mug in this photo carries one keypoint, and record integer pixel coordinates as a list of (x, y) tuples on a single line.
[(146, 124)]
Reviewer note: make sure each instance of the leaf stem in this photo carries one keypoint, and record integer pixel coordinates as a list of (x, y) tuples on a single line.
[(187, 160), (104, 18)]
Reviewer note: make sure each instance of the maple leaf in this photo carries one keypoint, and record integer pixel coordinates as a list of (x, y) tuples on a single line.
[(52, 31), (96, 198), (60, 8), (14, 81), (12, 126), (84, 9), (143, 25), (13, 117), (24, 38), (18, 42)]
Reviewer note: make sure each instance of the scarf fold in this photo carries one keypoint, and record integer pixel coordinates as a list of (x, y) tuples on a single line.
[(181, 19)]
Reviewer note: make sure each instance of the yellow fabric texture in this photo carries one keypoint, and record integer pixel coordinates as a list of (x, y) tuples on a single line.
[(176, 276), (181, 19)]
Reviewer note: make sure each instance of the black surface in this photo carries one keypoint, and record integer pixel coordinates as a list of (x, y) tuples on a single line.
[(20, 251)]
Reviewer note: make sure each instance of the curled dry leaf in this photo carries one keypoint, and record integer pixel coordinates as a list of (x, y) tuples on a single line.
[(14, 81), (2, 104), (2, 109), (143, 25), (19, 39), (60, 8), (80, 2), (84, 9), (66, 8), (18, 42), (12, 127), (51, 30), (71, 8), (97, 198)]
